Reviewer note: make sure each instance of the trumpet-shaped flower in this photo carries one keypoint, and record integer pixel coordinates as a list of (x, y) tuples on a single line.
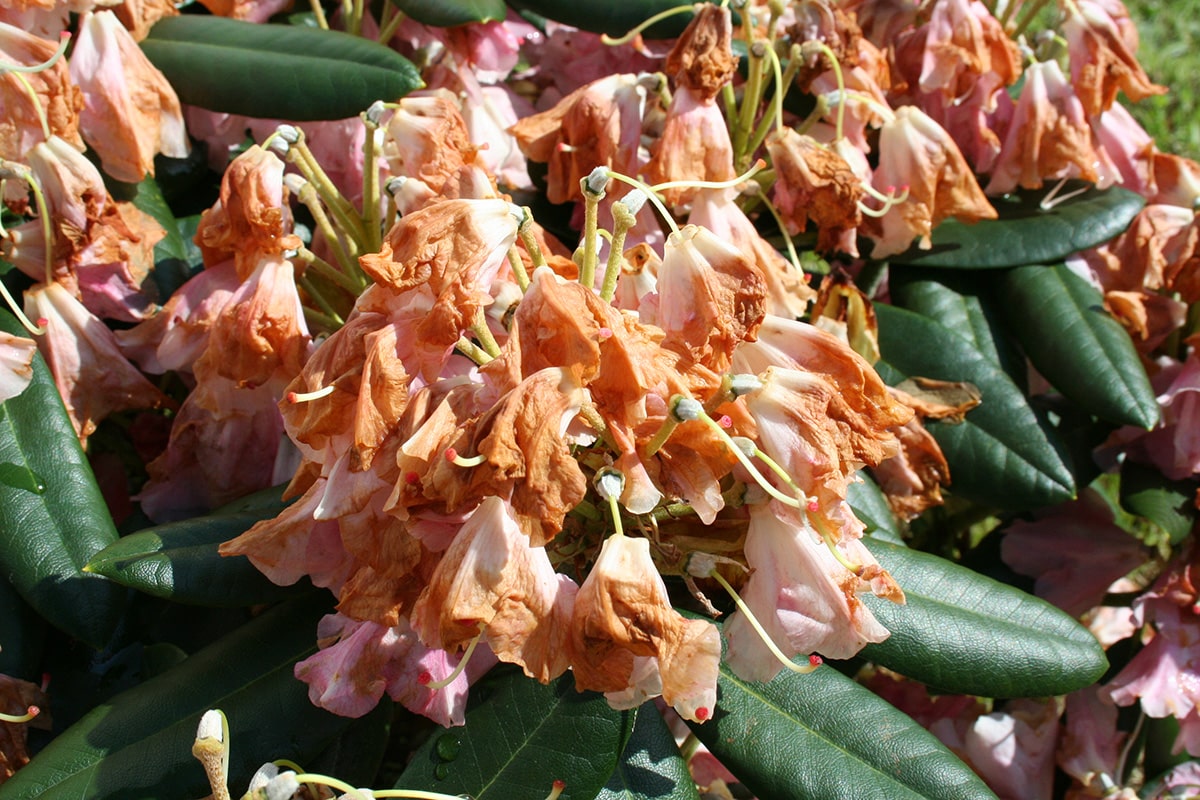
[(130, 112)]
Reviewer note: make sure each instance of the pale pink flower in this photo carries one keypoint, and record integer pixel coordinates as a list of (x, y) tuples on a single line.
[(1102, 60), (16, 364), (917, 153), (359, 661), (1165, 675), (491, 580), (1174, 445), (1048, 137), (1075, 551), (788, 293), (92, 376), (223, 446), (1090, 751), (130, 112), (57, 97), (806, 601), (1013, 750), (623, 612)]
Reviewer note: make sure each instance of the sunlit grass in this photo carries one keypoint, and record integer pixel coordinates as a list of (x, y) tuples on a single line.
[(1170, 54)]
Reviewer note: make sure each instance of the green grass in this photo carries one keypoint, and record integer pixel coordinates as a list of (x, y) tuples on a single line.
[(1170, 54)]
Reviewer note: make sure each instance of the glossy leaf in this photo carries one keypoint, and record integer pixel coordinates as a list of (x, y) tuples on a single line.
[(961, 302), (275, 71), (1025, 233), (606, 16), (519, 738), (1171, 505), (965, 633), (1004, 454), (651, 766), (138, 744), (822, 736), (47, 536), (871, 506), (179, 560), (445, 13), (1060, 320)]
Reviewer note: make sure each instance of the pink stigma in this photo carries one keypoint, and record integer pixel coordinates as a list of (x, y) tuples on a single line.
[(425, 679), (560, 784), (815, 660), (412, 478), (451, 454), (291, 398), (813, 506), (702, 713), (890, 190), (725, 421), (43, 322), (605, 333)]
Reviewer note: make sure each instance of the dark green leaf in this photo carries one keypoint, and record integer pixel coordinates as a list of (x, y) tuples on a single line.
[(444, 13), (965, 633), (1171, 505), (275, 71), (1060, 320), (822, 736), (147, 197), (606, 16), (354, 757), (1004, 454), (519, 738), (651, 766), (960, 301), (871, 506), (138, 744), (179, 560), (47, 536), (22, 635), (1027, 234)]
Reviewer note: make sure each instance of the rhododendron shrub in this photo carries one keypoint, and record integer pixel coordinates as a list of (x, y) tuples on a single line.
[(783, 399)]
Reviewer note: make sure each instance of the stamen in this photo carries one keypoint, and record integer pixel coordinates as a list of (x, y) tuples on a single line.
[(304, 397), (556, 789), (831, 542), (746, 462), (757, 167), (636, 32), (460, 461), (793, 256), (63, 40), (750, 447), (758, 628), (650, 195), (462, 665), (1051, 199), (29, 714), (333, 783), (824, 49), (889, 199), (596, 181)]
